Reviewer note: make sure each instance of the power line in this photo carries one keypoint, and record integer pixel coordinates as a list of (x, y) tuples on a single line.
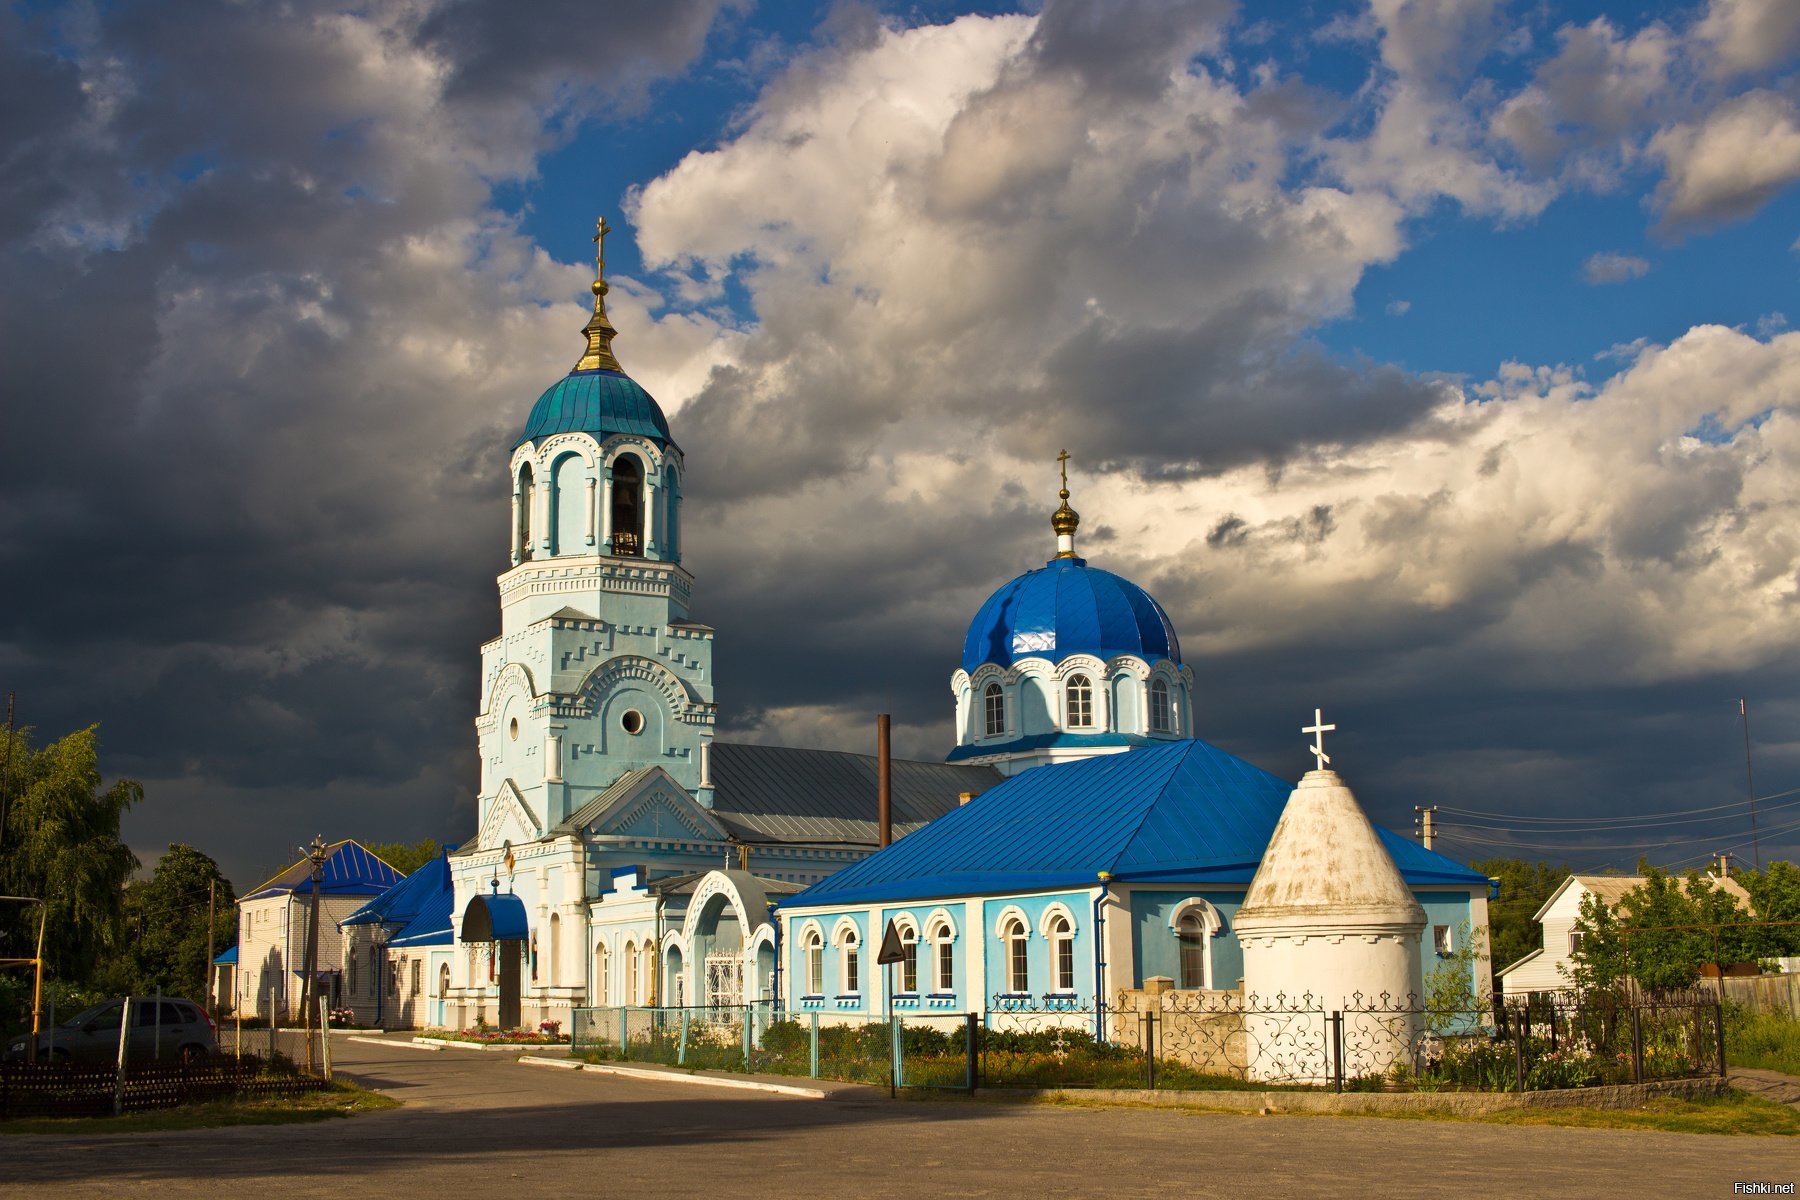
[(1601, 825), (1683, 812), (1565, 847)]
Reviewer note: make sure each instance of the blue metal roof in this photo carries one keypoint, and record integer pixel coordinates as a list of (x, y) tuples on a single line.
[(419, 905), (495, 917), (349, 871), (598, 402), (1067, 607), (1180, 812), (227, 959)]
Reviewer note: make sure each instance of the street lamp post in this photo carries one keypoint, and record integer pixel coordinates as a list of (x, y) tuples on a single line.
[(309, 988)]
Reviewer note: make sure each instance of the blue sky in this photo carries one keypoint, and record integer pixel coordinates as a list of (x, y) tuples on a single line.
[(1380, 334)]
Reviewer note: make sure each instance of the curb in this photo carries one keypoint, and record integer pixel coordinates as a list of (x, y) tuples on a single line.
[(748, 1085), (378, 1041), (489, 1047)]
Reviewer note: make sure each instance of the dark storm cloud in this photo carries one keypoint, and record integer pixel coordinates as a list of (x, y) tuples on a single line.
[(262, 345)]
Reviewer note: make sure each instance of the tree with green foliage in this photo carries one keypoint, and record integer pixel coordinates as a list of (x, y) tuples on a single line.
[(165, 917), (62, 844), (1598, 963), (1665, 930), (1524, 886), (404, 857), (1775, 897)]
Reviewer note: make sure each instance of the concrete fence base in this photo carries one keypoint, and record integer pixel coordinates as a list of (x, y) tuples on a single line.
[(1629, 1095)]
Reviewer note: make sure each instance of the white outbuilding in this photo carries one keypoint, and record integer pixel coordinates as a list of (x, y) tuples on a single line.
[(1328, 923)]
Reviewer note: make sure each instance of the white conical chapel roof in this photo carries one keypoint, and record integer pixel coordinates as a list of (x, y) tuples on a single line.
[(1326, 864)]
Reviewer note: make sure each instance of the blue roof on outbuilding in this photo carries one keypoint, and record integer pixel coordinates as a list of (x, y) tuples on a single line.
[(420, 904), (349, 870), (1184, 812), (1067, 607), (598, 402), (227, 959)]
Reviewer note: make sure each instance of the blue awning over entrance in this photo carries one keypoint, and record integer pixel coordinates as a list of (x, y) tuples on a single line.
[(495, 918)]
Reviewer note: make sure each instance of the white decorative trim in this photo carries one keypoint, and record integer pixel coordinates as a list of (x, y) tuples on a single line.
[(1058, 909), (507, 801), (901, 921), (937, 918), (1210, 920), (838, 928), (1006, 915)]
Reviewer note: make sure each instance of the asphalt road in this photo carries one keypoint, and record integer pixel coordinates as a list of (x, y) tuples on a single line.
[(481, 1125)]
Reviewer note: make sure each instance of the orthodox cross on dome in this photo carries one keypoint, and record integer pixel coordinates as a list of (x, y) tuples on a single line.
[(1065, 520), (1318, 729), (599, 330)]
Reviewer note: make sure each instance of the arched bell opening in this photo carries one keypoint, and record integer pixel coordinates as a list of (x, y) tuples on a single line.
[(524, 503), (627, 506)]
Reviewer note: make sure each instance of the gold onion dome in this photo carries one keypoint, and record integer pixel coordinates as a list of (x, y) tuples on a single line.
[(1065, 520)]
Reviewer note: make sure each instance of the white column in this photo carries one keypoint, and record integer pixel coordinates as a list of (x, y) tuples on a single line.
[(974, 932), (592, 490), (606, 511), (553, 758), (542, 516), (650, 522), (515, 523)]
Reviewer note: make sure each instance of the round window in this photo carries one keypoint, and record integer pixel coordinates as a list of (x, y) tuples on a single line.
[(514, 729), (632, 721)]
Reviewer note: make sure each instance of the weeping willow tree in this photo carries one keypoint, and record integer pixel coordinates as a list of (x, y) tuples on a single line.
[(62, 844)]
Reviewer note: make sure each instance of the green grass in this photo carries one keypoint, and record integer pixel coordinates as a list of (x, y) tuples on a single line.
[(1766, 1040), (1733, 1113), (339, 1100)]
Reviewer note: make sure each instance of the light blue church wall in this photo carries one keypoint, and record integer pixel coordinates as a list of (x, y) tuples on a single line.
[(1452, 910), (1157, 952), (1040, 980)]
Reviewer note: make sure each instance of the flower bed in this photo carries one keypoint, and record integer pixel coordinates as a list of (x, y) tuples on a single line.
[(548, 1034)]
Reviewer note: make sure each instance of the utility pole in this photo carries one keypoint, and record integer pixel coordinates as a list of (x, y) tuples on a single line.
[(1422, 826), (211, 885), (1750, 782), (309, 989)]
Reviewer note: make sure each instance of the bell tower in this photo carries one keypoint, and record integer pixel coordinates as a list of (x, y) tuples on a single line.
[(598, 669)]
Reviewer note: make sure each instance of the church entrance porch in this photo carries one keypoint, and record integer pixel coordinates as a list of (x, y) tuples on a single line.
[(499, 920)]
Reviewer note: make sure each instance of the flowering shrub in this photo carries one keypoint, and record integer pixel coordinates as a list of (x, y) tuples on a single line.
[(501, 1037), (553, 1028)]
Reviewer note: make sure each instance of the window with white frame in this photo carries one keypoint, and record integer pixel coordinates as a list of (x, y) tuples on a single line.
[(946, 958), (909, 959), (418, 977), (1018, 962), (1190, 932), (1081, 702), (1440, 937), (993, 705), (1159, 706), (849, 963), (631, 974), (602, 971), (444, 981), (1062, 954), (814, 945)]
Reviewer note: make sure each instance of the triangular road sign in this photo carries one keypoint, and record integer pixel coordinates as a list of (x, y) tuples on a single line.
[(891, 951)]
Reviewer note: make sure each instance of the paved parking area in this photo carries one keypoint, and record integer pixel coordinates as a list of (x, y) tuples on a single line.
[(481, 1125)]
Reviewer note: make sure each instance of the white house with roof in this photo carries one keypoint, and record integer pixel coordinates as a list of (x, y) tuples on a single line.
[(274, 919), (1547, 969)]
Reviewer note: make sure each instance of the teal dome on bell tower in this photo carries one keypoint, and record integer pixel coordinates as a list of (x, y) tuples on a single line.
[(597, 397)]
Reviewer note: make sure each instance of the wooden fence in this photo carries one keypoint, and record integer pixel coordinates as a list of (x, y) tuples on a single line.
[(1765, 993), (84, 1090)]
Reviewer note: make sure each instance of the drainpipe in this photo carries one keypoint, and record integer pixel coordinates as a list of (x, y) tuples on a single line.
[(775, 984), (1100, 898)]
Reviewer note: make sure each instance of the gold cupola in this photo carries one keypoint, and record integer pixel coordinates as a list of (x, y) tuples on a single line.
[(599, 329), (1065, 520)]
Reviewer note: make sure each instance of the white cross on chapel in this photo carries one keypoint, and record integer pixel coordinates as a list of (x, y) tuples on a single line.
[(1318, 729)]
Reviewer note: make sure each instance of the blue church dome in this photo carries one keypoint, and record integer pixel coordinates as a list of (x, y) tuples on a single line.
[(1067, 607), (599, 402)]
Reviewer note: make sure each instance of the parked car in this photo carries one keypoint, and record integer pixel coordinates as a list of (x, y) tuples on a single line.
[(178, 1030)]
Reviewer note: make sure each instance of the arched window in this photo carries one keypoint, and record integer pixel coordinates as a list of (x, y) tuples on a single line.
[(945, 938), (631, 982), (993, 705), (671, 522), (1159, 706), (627, 506), (648, 976), (1018, 964), (1191, 932), (1081, 702), (534, 960), (555, 948), (374, 971), (850, 963), (350, 973), (418, 981), (909, 959), (1062, 954), (815, 963), (527, 501), (602, 969), (444, 982)]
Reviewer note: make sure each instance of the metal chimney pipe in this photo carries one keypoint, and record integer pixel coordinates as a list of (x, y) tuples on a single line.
[(884, 774)]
